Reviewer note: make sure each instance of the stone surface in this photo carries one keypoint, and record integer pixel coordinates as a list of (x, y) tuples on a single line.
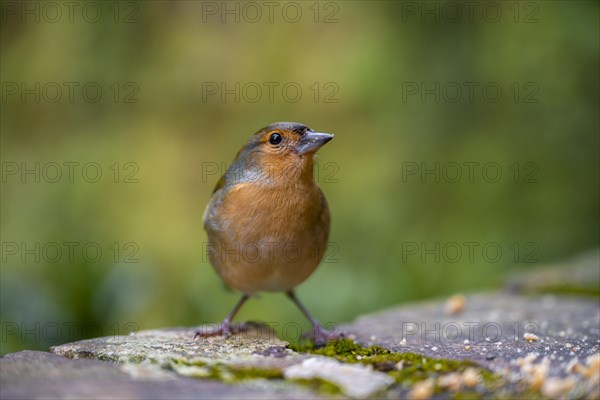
[(244, 361), (492, 330), (34, 375), (517, 344), (355, 380), (177, 349), (523, 338)]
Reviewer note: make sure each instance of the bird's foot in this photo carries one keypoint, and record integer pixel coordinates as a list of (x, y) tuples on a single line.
[(321, 336), (226, 328)]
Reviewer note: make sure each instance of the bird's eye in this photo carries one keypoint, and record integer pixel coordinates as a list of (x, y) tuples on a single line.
[(275, 138)]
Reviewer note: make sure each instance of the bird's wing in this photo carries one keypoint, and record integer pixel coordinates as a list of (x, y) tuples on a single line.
[(210, 218)]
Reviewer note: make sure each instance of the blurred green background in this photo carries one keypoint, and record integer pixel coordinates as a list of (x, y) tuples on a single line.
[(360, 67)]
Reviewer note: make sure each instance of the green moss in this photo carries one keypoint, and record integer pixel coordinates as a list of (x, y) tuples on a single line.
[(467, 396), (319, 385), (178, 361), (233, 374), (228, 373), (345, 350), (415, 367), (255, 373)]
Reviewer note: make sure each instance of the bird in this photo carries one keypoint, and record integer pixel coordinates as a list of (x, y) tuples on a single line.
[(268, 221)]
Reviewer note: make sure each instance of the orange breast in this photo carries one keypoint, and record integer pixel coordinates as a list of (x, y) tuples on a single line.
[(265, 237)]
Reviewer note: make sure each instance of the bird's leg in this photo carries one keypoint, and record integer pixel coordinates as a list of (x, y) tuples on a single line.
[(319, 334), (225, 328)]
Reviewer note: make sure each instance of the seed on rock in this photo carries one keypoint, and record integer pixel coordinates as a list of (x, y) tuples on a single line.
[(471, 377), (422, 390), (455, 304), (530, 337)]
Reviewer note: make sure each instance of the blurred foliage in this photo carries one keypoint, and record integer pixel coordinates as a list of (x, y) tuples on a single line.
[(173, 134)]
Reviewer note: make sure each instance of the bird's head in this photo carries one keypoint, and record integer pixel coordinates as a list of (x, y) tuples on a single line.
[(281, 152)]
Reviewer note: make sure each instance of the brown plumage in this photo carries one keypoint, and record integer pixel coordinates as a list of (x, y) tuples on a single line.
[(267, 220)]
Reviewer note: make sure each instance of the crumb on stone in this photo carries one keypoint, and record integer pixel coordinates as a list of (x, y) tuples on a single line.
[(530, 337), (455, 304), (422, 390)]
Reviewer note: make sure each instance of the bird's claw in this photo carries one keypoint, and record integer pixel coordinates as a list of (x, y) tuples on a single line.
[(321, 336), (226, 329)]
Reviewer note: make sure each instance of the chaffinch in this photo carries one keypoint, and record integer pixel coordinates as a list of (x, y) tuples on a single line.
[(267, 220)]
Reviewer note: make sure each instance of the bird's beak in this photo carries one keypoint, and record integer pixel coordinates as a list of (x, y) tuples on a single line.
[(312, 141)]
